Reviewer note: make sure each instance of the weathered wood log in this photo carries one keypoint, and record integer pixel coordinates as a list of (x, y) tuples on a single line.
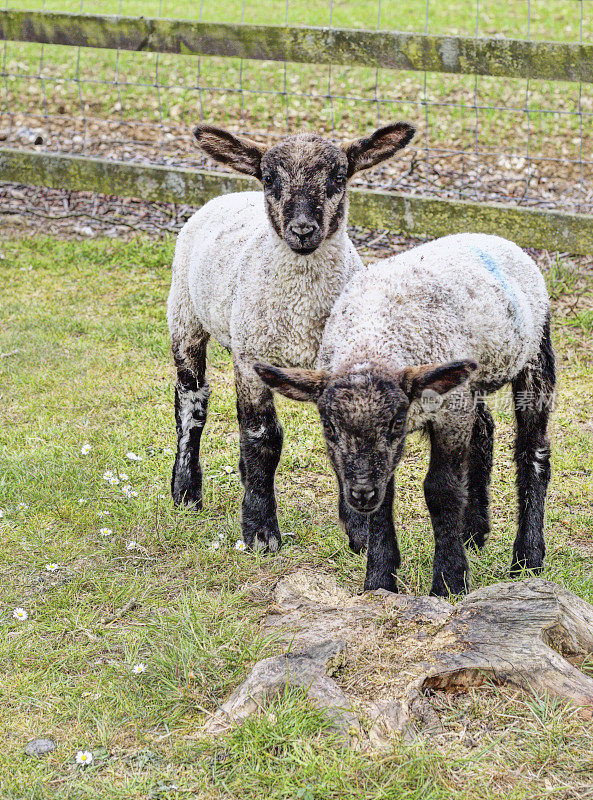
[(530, 635)]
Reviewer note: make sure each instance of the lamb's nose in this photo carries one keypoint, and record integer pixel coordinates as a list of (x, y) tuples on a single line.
[(302, 228), (362, 497)]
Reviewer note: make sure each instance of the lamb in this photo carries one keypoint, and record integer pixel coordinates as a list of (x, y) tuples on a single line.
[(414, 343), (260, 273)]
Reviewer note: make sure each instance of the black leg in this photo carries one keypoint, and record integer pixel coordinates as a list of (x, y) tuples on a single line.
[(445, 491), (476, 524), (191, 406), (383, 557), (261, 446), (355, 525), (533, 392)]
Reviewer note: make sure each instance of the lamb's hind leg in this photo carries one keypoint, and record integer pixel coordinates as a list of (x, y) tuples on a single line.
[(191, 405), (476, 523), (533, 392), (261, 446)]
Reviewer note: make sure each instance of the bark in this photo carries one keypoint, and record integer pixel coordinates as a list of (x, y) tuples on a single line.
[(530, 635)]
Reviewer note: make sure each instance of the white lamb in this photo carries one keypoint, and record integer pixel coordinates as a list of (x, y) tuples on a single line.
[(413, 344), (260, 272)]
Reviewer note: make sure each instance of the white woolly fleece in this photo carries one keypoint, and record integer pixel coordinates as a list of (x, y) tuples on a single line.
[(235, 278), (463, 296)]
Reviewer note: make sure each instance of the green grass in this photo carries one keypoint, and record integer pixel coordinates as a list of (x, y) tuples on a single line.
[(85, 358)]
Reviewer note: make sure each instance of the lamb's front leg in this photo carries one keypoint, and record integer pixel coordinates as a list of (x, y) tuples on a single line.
[(261, 445), (191, 406), (356, 525), (383, 558), (445, 491)]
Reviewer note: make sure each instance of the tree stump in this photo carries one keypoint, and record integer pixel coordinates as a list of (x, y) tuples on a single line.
[(529, 634)]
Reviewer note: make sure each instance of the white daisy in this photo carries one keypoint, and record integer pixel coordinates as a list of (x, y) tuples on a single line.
[(81, 501), (128, 491), (214, 545), (132, 545), (52, 567), (23, 506), (240, 545), (137, 669), (107, 475), (85, 449), (105, 531), (103, 513), (114, 481), (84, 758), (167, 451), (133, 456), (20, 614), (229, 470), (124, 477)]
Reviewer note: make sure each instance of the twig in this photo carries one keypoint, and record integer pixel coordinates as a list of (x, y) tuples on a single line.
[(129, 606)]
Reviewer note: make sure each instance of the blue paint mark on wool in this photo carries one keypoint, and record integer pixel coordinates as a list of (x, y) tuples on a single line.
[(494, 270)]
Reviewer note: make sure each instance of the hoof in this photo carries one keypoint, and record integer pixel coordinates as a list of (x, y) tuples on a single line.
[(188, 500), (358, 546), (265, 543), (387, 582), (475, 542), (521, 566), (455, 587)]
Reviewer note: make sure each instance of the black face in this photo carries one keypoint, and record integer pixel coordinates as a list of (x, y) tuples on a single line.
[(364, 423), (304, 180), (364, 412), (304, 177)]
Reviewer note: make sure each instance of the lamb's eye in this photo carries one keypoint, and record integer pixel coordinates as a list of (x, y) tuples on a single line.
[(271, 183), (336, 183), (396, 426)]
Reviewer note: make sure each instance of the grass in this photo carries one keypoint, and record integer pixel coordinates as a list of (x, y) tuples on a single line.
[(85, 358)]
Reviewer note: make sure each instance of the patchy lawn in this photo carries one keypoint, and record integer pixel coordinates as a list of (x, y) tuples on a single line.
[(84, 359)]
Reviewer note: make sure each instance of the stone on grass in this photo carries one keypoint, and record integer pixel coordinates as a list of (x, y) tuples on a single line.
[(40, 747)]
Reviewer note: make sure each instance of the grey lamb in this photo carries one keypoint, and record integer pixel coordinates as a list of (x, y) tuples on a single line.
[(414, 343)]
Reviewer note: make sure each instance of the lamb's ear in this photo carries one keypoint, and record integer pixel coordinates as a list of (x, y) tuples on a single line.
[(439, 378), (298, 384), (237, 152), (379, 146)]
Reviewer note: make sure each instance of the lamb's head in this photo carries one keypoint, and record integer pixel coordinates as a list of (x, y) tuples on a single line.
[(304, 177), (363, 412)]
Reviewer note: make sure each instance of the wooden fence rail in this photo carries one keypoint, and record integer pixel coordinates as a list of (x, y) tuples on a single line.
[(516, 58), (404, 214)]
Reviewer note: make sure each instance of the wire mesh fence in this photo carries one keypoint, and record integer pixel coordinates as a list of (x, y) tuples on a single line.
[(520, 141)]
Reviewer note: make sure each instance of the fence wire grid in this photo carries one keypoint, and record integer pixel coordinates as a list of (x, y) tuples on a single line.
[(516, 141)]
